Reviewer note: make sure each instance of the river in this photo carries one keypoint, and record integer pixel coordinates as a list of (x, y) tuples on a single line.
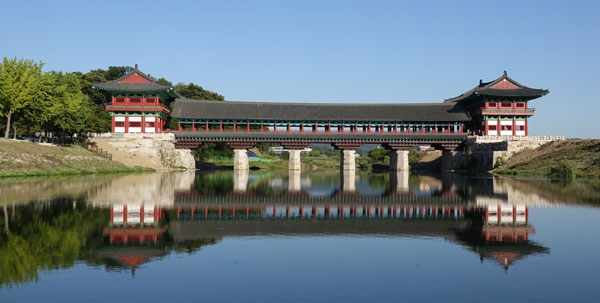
[(313, 236)]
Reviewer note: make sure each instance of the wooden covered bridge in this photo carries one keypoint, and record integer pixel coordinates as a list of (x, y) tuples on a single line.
[(140, 104)]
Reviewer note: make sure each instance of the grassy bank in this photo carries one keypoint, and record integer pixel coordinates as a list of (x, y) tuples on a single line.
[(25, 159), (559, 159)]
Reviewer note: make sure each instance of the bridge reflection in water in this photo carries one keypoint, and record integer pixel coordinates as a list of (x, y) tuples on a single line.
[(488, 218)]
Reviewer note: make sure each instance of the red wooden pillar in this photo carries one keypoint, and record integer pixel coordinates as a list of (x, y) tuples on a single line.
[(381, 129), (486, 128), (112, 214), (395, 128), (499, 214), (422, 130), (248, 127), (194, 126), (125, 214), (234, 127), (262, 128), (355, 128), (462, 128), (448, 128), (328, 128), (314, 128), (207, 127), (143, 126), (288, 128), (179, 126), (526, 127), (342, 127), (220, 126), (275, 127), (368, 128), (487, 214), (113, 123), (499, 127), (514, 214), (142, 214), (408, 130), (514, 126), (302, 127)]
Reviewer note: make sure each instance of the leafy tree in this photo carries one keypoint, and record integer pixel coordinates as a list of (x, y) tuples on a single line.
[(17, 83), (379, 154), (194, 91)]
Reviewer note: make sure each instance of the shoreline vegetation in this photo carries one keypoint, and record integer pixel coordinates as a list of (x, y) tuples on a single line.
[(568, 159), (27, 159)]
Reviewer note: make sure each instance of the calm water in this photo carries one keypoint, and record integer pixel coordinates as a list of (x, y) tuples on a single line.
[(315, 236)]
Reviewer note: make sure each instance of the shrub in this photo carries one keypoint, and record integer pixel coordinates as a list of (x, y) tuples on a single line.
[(499, 162), (562, 170)]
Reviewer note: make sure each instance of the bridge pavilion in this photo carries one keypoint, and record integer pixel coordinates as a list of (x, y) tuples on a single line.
[(139, 104)]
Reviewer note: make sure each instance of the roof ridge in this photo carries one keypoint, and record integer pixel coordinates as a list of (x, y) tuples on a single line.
[(314, 103)]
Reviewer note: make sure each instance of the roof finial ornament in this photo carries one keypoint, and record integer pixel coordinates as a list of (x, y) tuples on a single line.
[(505, 74), (480, 81), (137, 68)]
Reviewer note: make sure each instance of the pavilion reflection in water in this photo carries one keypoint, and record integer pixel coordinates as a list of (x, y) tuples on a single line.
[(490, 218)]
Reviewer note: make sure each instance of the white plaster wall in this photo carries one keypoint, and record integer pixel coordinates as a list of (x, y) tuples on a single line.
[(520, 133), (135, 129), (492, 122), (520, 122), (135, 119), (119, 129), (120, 119), (502, 132), (506, 122), (150, 119)]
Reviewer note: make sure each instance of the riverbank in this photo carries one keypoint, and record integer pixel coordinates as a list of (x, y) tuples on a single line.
[(565, 159), (25, 159)]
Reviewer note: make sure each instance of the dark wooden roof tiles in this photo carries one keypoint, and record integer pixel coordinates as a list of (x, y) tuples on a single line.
[(233, 110), (486, 89)]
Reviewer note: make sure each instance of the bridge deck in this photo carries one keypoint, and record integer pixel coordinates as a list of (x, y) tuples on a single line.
[(188, 137)]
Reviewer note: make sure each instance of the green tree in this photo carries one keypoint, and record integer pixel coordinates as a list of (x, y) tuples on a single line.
[(194, 91), (379, 154), (17, 83)]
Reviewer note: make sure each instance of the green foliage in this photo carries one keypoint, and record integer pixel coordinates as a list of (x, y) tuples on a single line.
[(98, 76), (499, 162), (63, 104), (194, 91), (562, 170), (18, 80), (209, 149), (415, 156), (379, 155), (46, 238)]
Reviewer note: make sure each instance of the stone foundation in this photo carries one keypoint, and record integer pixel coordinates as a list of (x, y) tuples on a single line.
[(147, 150)]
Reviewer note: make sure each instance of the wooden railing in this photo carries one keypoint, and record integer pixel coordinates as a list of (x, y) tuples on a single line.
[(93, 147)]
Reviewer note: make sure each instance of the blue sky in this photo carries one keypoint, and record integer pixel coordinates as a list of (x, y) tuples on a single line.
[(331, 51)]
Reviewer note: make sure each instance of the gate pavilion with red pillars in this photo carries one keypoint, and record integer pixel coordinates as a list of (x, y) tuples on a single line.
[(500, 107), (138, 103)]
